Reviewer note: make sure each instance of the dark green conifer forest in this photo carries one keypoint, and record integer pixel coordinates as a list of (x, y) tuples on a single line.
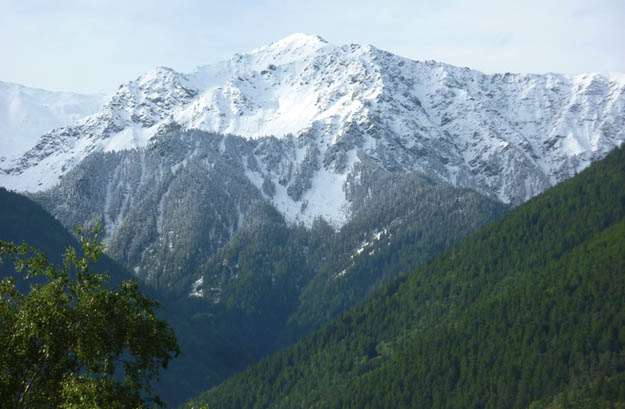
[(527, 313)]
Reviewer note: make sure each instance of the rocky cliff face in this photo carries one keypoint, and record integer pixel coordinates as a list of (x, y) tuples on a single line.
[(317, 110)]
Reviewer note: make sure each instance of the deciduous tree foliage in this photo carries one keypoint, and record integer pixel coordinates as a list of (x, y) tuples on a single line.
[(74, 342)]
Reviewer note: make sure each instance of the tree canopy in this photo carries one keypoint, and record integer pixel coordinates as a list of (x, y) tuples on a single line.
[(74, 340)]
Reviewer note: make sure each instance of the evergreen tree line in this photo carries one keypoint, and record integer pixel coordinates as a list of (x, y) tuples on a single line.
[(528, 312)]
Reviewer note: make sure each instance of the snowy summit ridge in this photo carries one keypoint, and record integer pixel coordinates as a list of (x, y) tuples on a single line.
[(509, 136)]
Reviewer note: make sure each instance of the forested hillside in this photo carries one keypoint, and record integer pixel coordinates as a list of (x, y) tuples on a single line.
[(274, 283), (283, 282), (530, 311)]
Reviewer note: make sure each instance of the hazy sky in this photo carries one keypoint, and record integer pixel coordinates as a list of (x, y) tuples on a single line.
[(93, 46)]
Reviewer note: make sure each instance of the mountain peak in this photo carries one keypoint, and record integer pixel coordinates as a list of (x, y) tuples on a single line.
[(299, 40), (157, 74), (298, 43)]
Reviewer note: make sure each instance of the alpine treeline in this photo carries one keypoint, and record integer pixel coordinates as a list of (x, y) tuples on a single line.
[(528, 312)]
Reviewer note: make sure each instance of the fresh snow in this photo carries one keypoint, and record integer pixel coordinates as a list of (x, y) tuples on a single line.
[(196, 288), (509, 136)]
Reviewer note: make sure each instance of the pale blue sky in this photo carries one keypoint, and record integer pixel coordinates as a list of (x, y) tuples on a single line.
[(93, 46)]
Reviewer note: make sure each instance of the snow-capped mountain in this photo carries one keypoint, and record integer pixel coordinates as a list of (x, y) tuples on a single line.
[(27, 113), (330, 107)]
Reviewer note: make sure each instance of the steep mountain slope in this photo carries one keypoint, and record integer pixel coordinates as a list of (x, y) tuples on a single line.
[(168, 208), (182, 215), (528, 310), (507, 136), (411, 219), (27, 113), (218, 339), (290, 281)]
